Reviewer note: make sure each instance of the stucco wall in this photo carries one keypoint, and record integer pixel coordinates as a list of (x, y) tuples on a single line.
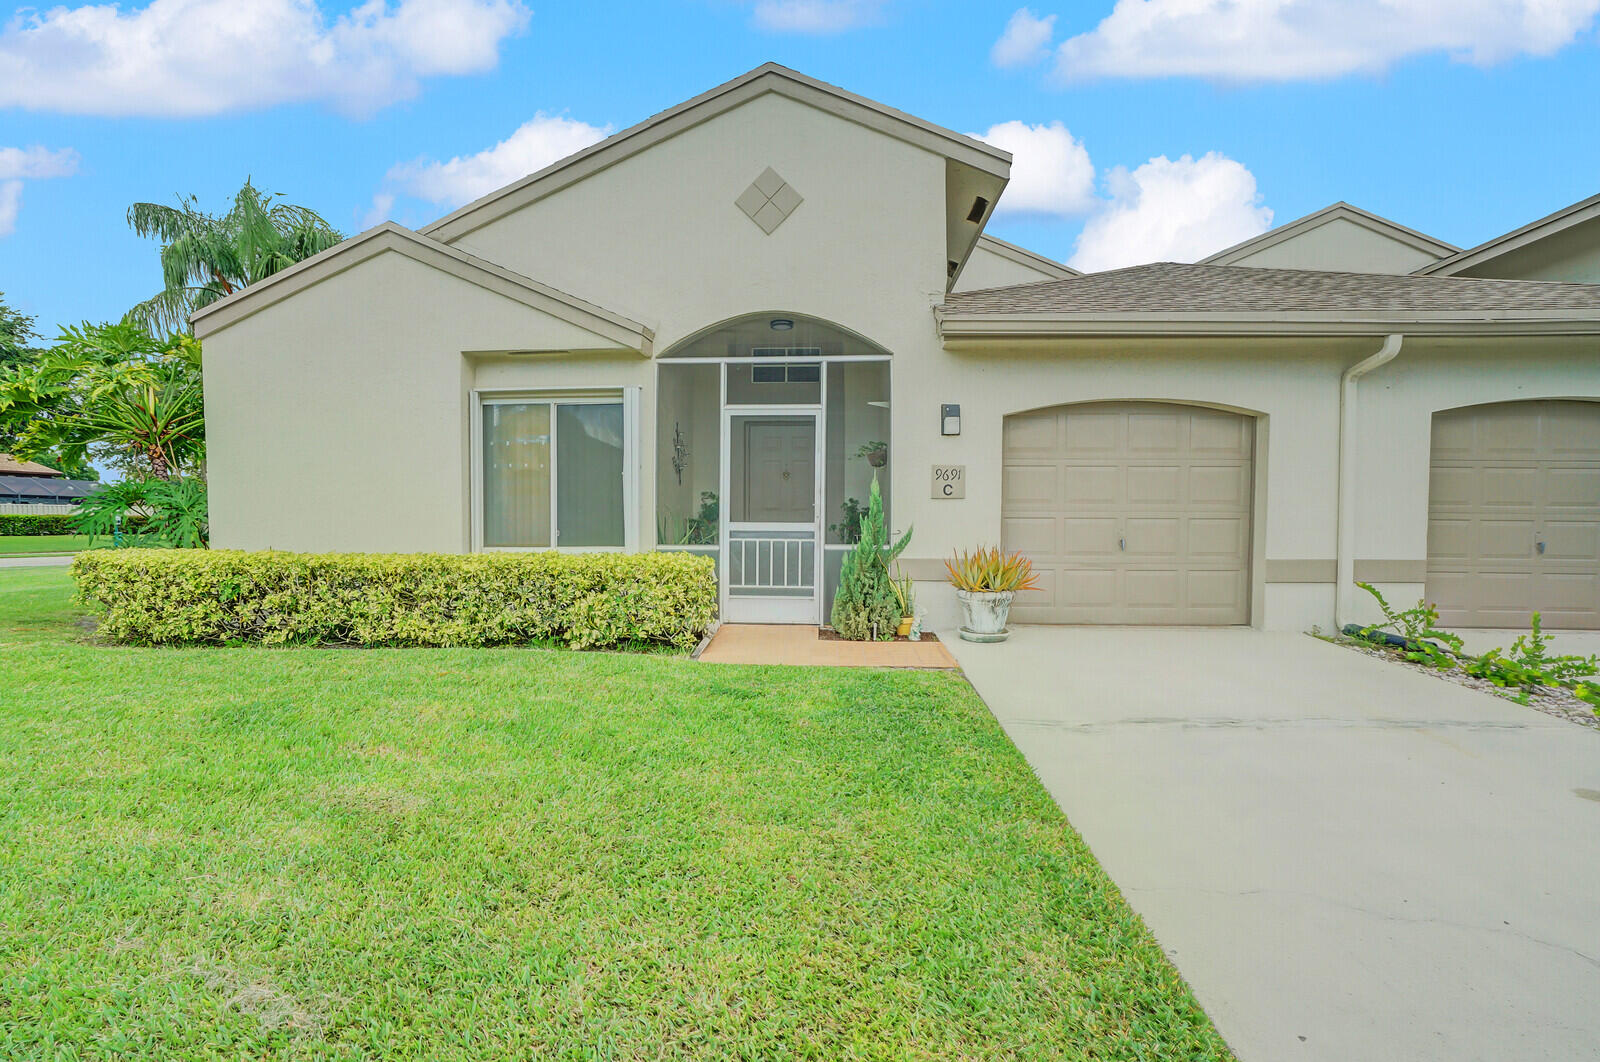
[(1573, 254), (337, 420), (1343, 246), (988, 268)]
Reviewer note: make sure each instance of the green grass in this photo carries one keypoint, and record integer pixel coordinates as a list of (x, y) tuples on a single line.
[(450, 854), (27, 545)]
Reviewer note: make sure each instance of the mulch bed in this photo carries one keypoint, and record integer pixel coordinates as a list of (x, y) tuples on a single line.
[(1551, 700), (828, 634)]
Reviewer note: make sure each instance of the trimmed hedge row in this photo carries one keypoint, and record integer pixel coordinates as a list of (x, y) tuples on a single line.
[(45, 524), (585, 600)]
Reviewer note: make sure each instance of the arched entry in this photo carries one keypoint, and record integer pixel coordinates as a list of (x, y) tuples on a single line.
[(1514, 515), (771, 428), (1132, 512)]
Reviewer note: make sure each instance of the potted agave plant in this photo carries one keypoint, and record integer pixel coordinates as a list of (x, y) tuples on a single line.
[(905, 597), (986, 580)]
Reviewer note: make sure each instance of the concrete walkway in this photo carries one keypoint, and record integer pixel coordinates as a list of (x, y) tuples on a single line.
[(44, 560), (1346, 859)]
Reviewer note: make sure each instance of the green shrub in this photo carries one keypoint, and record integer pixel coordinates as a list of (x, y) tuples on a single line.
[(865, 605), (586, 600), (45, 524)]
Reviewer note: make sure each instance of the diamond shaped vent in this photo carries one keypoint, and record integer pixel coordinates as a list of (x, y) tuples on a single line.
[(768, 201)]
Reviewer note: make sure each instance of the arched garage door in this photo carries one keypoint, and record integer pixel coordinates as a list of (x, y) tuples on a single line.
[(1132, 512), (1514, 515)]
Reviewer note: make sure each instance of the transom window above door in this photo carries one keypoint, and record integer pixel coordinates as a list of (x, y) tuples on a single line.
[(552, 473)]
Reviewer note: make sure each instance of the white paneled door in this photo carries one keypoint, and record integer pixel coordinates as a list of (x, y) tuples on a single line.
[(1132, 512), (1514, 515)]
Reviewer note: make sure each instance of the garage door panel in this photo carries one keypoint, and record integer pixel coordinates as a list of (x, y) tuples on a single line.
[(1035, 536), (1153, 536), (1084, 485), (1154, 514), (1225, 486), (1498, 540), (1573, 488), (1085, 536), (1502, 479), (1218, 538), (1088, 434), (1154, 484), (1032, 487), (1510, 488), (1453, 486), (1032, 434)]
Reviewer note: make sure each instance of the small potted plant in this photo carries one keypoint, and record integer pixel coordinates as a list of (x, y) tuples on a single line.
[(905, 595), (986, 580), (876, 452)]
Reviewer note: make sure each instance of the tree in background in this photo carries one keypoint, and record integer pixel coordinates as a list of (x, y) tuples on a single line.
[(207, 257), (16, 329), (112, 392)]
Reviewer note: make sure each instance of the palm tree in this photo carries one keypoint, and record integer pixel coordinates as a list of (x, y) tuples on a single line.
[(206, 257)]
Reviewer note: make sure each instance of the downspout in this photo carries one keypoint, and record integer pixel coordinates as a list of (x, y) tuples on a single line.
[(1345, 566)]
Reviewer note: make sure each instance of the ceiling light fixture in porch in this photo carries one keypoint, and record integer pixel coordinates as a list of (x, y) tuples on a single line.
[(780, 324)]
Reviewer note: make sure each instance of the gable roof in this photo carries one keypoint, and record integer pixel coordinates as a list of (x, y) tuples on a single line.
[(621, 330), (1177, 298), (1340, 211), (1563, 219), (1031, 259), (769, 77)]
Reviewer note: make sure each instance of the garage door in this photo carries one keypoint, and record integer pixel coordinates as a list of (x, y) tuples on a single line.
[(1514, 515), (1131, 512)]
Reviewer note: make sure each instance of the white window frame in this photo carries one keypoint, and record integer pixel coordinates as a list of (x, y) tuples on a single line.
[(629, 397)]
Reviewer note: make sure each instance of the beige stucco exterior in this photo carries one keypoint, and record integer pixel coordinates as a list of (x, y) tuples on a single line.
[(341, 413), (1340, 238)]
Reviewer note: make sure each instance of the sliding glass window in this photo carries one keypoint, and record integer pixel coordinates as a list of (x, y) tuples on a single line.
[(553, 474)]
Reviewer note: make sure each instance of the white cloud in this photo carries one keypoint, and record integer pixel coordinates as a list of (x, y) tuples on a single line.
[(1296, 39), (30, 163), (1050, 171), (817, 16), (382, 210), (1172, 210), (201, 57), (536, 144), (37, 162), (10, 203), (1025, 41)]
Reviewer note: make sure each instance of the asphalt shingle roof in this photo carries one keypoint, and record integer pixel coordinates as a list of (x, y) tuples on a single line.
[(1172, 287)]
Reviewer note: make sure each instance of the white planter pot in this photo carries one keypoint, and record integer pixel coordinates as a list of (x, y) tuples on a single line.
[(985, 614)]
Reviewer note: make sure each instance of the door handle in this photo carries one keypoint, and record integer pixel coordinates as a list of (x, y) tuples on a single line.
[(1122, 544), (1541, 547)]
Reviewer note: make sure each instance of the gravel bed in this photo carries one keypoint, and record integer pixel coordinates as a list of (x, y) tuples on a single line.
[(1551, 700)]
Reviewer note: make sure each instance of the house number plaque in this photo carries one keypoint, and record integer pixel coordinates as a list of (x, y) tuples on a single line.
[(949, 481)]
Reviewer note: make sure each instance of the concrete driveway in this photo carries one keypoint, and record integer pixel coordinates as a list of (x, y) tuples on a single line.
[(1347, 860)]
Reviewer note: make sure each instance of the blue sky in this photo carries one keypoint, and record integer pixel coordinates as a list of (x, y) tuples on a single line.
[(1461, 119)]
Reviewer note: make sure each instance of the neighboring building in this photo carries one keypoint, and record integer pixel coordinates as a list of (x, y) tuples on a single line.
[(684, 336), (30, 483)]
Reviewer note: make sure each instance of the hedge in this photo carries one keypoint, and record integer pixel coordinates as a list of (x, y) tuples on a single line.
[(46, 524), (221, 597)]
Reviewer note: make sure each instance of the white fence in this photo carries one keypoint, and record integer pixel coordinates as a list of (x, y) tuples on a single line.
[(11, 509)]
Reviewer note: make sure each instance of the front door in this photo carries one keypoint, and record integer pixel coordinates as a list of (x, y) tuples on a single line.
[(770, 548)]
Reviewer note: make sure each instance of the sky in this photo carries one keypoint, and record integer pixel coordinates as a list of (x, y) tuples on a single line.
[(1143, 130)]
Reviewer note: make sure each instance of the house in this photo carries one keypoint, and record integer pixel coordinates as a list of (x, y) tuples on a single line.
[(32, 484), (691, 336)]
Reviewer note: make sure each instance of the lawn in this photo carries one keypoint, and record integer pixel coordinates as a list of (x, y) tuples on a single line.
[(25, 545), (450, 854)]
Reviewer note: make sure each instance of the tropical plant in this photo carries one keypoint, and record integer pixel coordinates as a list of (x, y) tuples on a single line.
[(1418, 627), (150, 512), (904, 592), (110, 391), (865, 606), (986, 570), (700, 529), (206, 257)]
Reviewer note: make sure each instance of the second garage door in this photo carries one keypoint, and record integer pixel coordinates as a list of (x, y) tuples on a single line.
[(1132, 512), (1514, 515)]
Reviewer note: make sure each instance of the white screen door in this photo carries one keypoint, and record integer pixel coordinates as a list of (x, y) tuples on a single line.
[(770, 547)]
